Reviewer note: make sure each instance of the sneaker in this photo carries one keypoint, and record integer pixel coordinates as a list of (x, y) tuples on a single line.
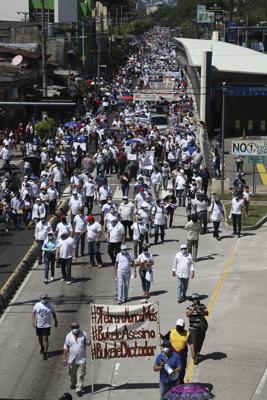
[(119, 303), (72, 387), (100, 265), (46, 281), (62, 279), (79, 393), (68, 282), (51, 279)]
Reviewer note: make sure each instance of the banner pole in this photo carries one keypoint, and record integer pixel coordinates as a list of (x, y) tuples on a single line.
[(158, 325), (92, 360)]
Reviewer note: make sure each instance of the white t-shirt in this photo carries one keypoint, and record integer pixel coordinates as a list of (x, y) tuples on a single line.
[(159, 215), (126, 211), (116, 233), (139, 198), (93, 231), (75, 205), (217, 212), (80, 223), (89, 188), (104, 192), (63, 228), (43, 314), (66, 247), (156, 178), (138, 229), (124, 262), (237, 206)]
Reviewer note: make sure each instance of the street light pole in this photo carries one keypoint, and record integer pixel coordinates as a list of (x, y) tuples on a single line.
[(83, 48), (44, 77), (223, 132)]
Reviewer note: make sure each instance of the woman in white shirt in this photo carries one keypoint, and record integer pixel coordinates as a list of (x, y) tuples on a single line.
[(216, 216)]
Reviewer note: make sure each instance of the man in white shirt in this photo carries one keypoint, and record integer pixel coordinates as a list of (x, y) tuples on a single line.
[(182, 268), (126, 213), (89, 192), (115, 237), (159, 216), (75, 204), (57, 174), (79, 228), (145, 261), (94, 233), (41, 320), (236, 211), (74, 355), (42, 228), (139, 229), (65, 251), (5, 154), (63, 227), (180, 186), (104, 191), (38, 211), (122, 271)]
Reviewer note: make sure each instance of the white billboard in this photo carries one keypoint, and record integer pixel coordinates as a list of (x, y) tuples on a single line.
[(249, 147)]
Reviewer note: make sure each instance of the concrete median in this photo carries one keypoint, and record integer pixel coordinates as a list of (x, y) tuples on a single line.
[(15, 280)]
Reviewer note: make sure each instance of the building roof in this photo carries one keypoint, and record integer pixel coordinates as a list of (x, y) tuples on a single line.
[(226, 57)]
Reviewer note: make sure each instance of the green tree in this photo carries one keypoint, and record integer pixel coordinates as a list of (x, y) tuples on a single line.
[(45, 128)]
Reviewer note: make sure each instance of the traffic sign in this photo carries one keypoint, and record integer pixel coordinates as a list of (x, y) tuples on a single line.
[(256, 160)]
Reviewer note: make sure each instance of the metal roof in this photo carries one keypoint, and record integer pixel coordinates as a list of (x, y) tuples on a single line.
[(226, 57)]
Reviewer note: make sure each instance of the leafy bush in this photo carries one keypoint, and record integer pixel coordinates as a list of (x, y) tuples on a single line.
[(45, 128)]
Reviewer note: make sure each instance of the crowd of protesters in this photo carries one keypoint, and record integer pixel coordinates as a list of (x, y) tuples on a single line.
[(157, 171)]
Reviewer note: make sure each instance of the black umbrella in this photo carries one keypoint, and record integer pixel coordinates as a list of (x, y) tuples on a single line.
[(9, 167)]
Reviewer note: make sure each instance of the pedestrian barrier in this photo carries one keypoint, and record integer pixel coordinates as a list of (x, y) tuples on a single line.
[(15, 280)]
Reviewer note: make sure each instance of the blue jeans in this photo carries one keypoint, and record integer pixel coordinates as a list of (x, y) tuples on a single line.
[(123, 285), (182, 288), (40, 251), (49, 259), (145, 283), (165, 387), (165, 182), (94, 252), (79, 238)]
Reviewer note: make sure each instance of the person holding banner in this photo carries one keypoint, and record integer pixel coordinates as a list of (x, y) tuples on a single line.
[(122, 271), (168, 364)]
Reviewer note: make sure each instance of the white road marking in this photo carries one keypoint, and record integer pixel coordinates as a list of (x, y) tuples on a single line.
[(261, 383), (117, 367)]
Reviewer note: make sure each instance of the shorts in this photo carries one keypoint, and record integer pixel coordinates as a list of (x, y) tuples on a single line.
[(43, 331)]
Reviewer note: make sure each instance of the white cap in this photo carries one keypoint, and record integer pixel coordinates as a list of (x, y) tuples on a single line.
[(180, 322), (183, 246)]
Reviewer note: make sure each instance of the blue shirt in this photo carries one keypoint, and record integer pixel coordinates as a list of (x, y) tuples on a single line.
[(174, 361)]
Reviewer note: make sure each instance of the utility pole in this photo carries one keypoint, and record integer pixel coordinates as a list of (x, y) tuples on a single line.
[(224, 89), (44, 77), (83, 47)]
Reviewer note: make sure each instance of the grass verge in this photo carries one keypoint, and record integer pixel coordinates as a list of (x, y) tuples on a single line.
[(255, 214)]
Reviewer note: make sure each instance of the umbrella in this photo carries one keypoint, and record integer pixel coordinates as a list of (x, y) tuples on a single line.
[(135, 140), (189, 391), (71, 124)]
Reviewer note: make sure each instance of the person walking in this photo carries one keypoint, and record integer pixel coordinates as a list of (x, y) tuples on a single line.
[(65, 251), (197, 324), (74, 356), (122, 272), (49, 249), (139, 229), (216, 216), (79, 230), (180, 340), (43, 310), (115, 237), (145, 262), (237, 207), (159, 217), (170, 359), (193, 231), (42, 228), (94, 234), (126, 213), (183, 267)]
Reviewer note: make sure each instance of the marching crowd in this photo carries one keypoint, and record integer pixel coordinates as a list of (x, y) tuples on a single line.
[(157, 171)]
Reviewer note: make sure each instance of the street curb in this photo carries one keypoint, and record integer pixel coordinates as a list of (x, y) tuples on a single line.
[(17, 277)]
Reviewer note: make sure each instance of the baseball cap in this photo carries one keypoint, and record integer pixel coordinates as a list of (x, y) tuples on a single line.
[(90, 218), (180, 322), (183, 246), (74, 191), (44, 295), (124, 247), (195, 296), (74, 325), (142, 189)]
